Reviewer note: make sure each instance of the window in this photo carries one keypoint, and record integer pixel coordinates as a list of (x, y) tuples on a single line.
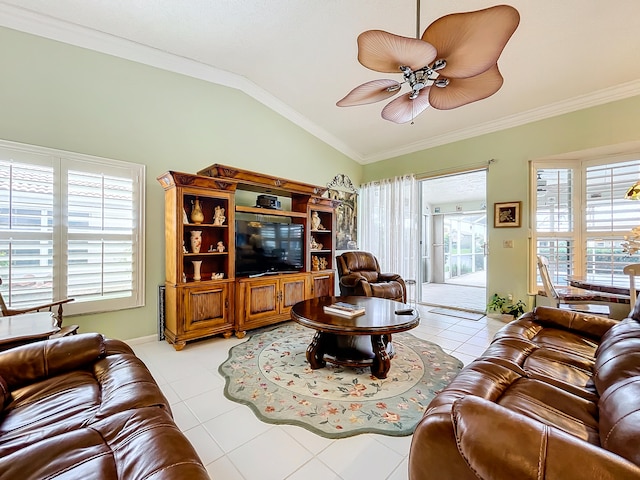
[(70, 226), (580, 218)]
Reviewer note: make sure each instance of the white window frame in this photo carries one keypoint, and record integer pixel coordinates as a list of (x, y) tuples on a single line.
[(63, 161), (579, 235)]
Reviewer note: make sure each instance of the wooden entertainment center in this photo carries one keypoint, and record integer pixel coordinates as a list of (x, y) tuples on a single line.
[(219, 302)]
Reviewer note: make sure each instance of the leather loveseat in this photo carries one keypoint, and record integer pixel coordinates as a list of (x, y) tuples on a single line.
[(555, 396), (84, 407)]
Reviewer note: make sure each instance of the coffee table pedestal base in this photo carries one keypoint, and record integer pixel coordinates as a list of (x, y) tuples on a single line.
[(375, 351)]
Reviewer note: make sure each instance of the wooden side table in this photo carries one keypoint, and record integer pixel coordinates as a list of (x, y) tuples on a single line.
[(18, 330)]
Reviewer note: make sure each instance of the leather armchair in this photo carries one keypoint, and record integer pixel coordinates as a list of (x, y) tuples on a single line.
[(359, 275)]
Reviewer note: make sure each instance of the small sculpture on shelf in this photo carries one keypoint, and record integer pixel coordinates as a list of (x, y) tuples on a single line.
[(315, 245), (196, 213), (322, 263), (218, 216), (315, 263), (184, 249), (316, 223), (217, 276), (220, 247)]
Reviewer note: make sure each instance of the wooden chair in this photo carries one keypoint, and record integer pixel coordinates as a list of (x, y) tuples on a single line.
[(572, 298), (633, 270), (57, 313)]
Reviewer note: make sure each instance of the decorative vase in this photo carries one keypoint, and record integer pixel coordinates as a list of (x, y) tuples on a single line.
[(196, 241), (196, 270), (196, 214)]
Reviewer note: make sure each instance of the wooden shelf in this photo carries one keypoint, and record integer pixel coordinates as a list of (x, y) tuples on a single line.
[(268, 211), (190, 225), (191, 254)]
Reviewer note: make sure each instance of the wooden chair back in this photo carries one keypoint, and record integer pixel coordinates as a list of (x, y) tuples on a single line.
[(633, 270)]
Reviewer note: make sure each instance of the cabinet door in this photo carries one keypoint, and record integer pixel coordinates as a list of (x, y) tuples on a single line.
[(261, 299), (207, 307), (292, 291), (322, 284)]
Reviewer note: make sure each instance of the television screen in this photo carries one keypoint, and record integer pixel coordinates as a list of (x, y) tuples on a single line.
[(268, 247)]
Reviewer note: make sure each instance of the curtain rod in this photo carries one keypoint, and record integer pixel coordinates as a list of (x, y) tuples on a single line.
[(473, 167)]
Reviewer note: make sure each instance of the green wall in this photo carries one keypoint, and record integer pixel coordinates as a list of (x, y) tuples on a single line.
[(508, 177), (59, 96), (64, 97)]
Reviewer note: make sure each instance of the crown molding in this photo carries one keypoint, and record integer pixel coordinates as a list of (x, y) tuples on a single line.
[(48, 27), (607, 95)]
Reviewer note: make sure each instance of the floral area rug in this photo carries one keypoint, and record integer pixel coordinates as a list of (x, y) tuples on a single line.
[(269, 373)]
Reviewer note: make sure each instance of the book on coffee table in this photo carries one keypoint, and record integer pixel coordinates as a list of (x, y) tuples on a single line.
[(344, 309)]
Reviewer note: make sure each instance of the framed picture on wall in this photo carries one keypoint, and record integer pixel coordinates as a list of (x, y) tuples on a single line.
[(506, 214)]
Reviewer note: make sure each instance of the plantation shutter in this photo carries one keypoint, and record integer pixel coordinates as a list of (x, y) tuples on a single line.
[(71, 226), (555, 222), (608, 218)]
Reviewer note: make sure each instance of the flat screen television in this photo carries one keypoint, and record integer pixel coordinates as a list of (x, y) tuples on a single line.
[(268, 247)]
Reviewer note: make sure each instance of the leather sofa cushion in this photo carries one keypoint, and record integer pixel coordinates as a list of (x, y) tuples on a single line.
[(565, 370), (125, 446), (509, 386), (553, 406), (617, 378), (501, 445), (620, 418), (559, 329), (46, 359), (75, 398)]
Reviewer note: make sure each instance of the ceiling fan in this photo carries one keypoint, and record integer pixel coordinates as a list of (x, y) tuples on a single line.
[(457, 54)]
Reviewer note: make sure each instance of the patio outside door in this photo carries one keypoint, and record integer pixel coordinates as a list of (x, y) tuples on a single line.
[(453, 243)]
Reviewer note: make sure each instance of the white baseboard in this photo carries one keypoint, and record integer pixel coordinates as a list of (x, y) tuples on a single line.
[(141, 340)]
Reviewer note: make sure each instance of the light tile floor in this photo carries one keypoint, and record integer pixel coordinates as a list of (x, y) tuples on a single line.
[(235, 445)]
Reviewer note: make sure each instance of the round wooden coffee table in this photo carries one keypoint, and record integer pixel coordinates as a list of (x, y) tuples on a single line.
[(360, 341)]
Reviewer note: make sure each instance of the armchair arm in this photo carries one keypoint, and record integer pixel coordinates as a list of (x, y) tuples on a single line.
[(46, 306), (388, 277), (500, 444), (352, 279), (8, 312), (28, 363), (591, 325)]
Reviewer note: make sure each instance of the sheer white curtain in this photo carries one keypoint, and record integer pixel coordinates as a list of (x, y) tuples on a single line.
[(389, 224)]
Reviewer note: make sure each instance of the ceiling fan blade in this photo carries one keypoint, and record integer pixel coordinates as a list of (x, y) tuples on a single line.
[(472, 42), (370, 92), (385, 52), (461, 91), (403, 109)]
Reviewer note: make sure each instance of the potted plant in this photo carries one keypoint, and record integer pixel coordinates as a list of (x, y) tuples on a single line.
[(505, 306)]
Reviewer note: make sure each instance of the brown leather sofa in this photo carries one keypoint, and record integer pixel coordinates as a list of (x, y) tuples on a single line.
[(359, 274), (85, 407), (556, 396)]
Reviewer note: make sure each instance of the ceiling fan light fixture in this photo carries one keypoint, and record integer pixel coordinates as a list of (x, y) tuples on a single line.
[(457, 53)]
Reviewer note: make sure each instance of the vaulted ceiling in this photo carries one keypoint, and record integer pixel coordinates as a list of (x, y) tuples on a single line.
[(299, 57)]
